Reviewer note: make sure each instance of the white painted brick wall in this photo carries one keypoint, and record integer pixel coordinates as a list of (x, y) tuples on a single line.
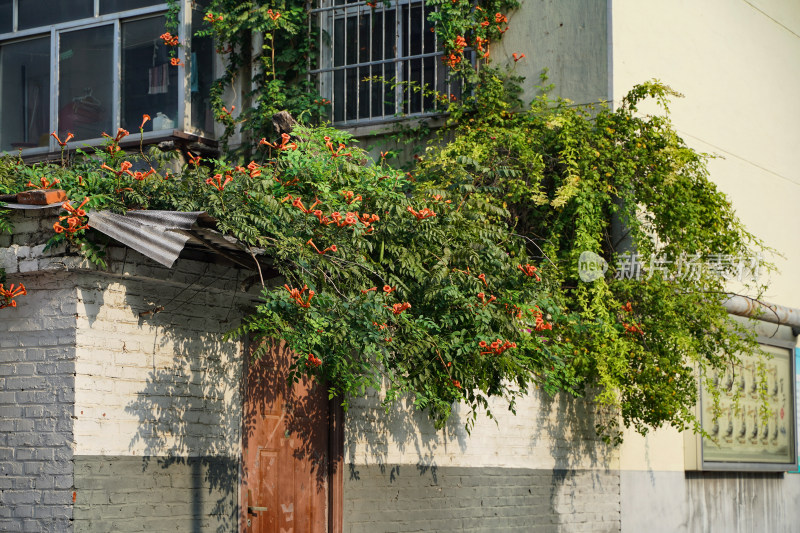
[(164, 383), (545, 433), (543, 469)]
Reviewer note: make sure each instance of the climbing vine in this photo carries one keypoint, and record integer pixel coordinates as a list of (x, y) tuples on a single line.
[(465, 278), (273, 67)]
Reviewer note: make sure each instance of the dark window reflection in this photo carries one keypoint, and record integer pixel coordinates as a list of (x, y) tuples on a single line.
[(34, 13), (113, 6), (149, 81), (6, 12), (85, 88), (25, 101), (201, 75)]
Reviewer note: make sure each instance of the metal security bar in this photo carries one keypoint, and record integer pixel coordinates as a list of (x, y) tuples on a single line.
[(379, 63)]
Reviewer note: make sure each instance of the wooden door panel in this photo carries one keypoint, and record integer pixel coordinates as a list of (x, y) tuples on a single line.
[(286, 448), (267, 495)]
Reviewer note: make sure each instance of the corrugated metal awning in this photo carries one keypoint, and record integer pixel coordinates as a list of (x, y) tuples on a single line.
[(159, 235), (162, 235)]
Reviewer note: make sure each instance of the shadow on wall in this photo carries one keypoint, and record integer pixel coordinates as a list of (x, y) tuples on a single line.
[(568, 425), (543, 469), (383, 433), (182, 410), (189, 409)]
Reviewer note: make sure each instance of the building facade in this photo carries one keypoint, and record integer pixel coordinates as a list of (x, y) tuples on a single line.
[(125, 410)]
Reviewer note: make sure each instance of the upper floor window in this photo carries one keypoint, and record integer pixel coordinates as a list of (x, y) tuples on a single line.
[(379, 62), (91, 66)]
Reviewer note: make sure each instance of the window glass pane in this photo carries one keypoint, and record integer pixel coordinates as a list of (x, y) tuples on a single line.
[(149, 81), (6, 12), (412, 16), (429, 33), (34, 13), (85, 87), (113, 6), (25, 94), (202, 73)]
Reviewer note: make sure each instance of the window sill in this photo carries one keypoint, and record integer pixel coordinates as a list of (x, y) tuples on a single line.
[(184, 139), (391, 126)]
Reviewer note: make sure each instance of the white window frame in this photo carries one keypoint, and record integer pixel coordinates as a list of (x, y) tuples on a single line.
[(54, 31), (324, 15)]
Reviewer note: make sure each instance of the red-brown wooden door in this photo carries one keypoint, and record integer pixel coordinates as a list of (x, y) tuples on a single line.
[(290, 484)]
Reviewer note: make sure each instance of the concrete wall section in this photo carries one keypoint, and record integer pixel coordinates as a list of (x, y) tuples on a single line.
[(737, 63), (37, 362), (677, 502), (543, 469), (408, 498), (132, 494), (569, 39)]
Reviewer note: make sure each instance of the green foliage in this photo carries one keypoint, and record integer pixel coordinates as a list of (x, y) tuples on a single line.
[(276, 62), (463, 24), (569, 176), (412, 286), (431, 349)]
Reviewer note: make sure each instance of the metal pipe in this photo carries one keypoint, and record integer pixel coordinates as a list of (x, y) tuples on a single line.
[(768, 312)]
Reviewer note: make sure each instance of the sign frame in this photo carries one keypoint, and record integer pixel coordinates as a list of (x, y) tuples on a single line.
[(695, 456)]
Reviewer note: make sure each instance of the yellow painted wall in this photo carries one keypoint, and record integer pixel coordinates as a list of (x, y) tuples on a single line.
[(738, 64)]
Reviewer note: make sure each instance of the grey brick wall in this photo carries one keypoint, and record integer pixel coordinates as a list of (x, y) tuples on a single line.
[(407, 498), (132, 494), (37, 364)]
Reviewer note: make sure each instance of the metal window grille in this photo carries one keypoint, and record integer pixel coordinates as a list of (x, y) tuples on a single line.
[(381, 63)]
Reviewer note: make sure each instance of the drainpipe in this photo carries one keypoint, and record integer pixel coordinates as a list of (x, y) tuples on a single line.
[(768, 312)]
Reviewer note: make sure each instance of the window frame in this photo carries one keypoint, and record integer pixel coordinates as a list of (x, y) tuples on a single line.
[(54, 31)]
